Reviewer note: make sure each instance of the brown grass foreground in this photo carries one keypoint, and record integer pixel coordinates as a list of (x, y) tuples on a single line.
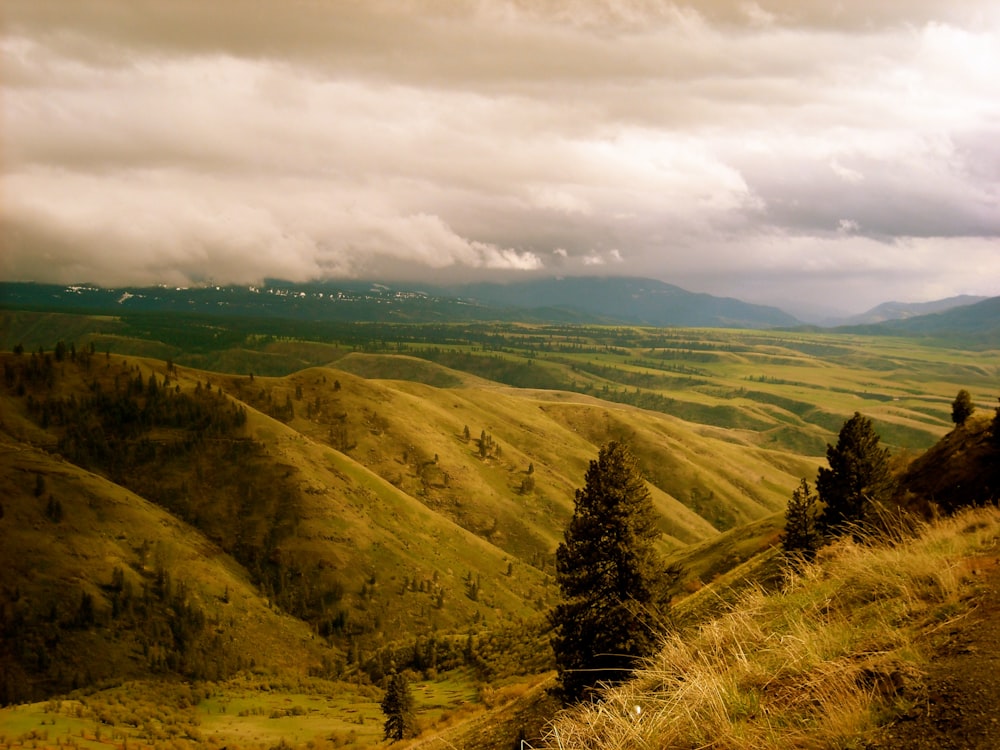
[(840, 650)]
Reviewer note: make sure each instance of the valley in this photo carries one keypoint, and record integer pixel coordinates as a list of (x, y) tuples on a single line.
[(278, 515)]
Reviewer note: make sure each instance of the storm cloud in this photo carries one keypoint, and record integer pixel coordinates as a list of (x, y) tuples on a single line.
[(799, 154)]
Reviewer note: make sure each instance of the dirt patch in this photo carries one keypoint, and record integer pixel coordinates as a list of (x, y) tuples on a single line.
[(959, 703)]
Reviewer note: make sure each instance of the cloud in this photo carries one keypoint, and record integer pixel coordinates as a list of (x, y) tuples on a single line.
[(179, 140)]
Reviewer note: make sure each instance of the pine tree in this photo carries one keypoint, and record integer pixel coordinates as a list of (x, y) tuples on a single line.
[(609, 576), (858, 477), (397, 705), (801, 537), (962, 407)]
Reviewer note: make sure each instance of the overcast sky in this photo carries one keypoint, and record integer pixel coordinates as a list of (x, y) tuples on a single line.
[(806, 154)]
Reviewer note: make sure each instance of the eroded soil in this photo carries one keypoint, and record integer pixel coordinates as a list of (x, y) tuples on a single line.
[(958, 705)]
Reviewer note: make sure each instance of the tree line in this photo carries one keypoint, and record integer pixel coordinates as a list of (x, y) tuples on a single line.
[(859, 484)]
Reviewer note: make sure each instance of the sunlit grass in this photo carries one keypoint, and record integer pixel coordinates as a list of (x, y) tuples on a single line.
[(818, 664)]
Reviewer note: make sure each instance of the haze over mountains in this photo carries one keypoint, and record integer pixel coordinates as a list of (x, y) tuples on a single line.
[(610, 300)]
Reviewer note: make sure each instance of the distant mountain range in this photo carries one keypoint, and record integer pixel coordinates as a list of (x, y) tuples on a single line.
[(903, 310), (585, 300), (631, 300), (572, 300), (980, 321)]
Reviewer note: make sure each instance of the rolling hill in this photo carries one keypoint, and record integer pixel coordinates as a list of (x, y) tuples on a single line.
[(371, 511), (388, 495)]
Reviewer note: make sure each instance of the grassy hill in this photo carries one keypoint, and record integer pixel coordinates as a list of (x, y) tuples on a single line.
[(111, 587), (391, 497)]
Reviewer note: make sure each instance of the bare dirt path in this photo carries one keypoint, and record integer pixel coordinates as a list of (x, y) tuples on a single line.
[(959, 705)]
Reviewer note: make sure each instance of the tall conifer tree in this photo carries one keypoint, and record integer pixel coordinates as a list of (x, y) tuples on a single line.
[(801, 537), (609, 576), (858, 477), (397, 705)]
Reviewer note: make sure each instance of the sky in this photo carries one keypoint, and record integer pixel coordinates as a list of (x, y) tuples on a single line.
[(818, 156)]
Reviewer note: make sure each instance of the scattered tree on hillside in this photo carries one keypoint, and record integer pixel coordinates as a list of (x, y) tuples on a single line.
[(858, 477), (801, 537), (397, 705), (962, 407), (609, 576)]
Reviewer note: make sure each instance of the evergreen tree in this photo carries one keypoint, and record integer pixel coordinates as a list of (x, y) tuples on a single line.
[(609, 576), (397, 705), (962, 407), (801, 537), (858, 477)]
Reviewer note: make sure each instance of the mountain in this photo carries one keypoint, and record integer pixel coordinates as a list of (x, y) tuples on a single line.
[(569, 300), (904, 310), (637, 301), (976, 326)]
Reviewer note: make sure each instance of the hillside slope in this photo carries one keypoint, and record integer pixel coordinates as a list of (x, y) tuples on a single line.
[(961, 469), (100, 585), (374, 512)]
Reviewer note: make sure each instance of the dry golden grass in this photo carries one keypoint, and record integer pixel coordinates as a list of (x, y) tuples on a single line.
[(818, 664)]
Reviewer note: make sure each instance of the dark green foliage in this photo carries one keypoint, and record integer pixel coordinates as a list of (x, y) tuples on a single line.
[(801, 538), (609, 577), (397, 705), (962, 407), (857, 480), (170, 633)]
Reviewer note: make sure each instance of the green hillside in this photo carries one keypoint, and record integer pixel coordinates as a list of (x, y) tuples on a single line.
[(379, 502)]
